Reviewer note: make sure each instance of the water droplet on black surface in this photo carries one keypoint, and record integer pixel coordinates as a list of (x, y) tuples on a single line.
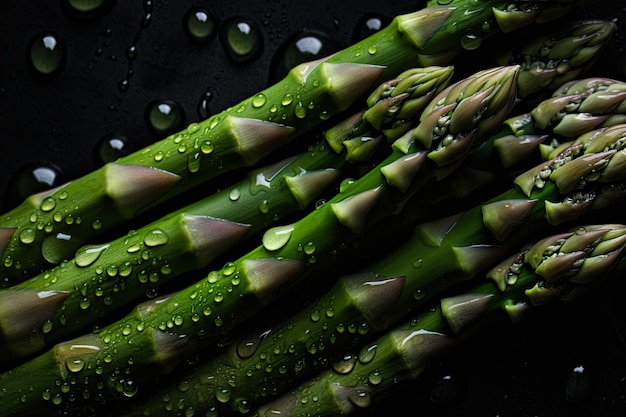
[(304, 47), (165, 117), (242, 40), (47, 53), (110, 148), (30, 179), (368, 25), (200, 25)]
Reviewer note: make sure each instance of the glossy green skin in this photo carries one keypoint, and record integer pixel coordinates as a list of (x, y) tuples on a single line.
[(132, 265)]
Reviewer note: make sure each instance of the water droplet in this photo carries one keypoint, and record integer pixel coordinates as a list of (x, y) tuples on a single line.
[(470, 42), (47, 53), (360, 398), (303, 47), (247, 347), (447, 387), (31, 179), (84, 303), (241, 39), (206, 147), (27, 236), (419, 294), (203, 105), (155, 237), (75, 364), (200, 24), (375, 377), (234, 194), (368, 25), (309, 248), (89, 254), (580, 381), (259, 100), (264, 206), (345, 365), (229, 269), (277, 237), (286, 100), (86, 8), (300, 110), (165, 117), (367, 354), (417, 263), (110, 148), (223, 395)]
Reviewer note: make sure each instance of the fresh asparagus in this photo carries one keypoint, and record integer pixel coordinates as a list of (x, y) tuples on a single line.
[(560, 268), (439, 255), (49, 227), (104, 277), (557, 54), (110, 362)]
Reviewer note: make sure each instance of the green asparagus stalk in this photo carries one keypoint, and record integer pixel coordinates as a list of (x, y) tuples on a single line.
[(112, 361), (560, 268), (104, 277), (49, 227), (439, 254), (557, 54)]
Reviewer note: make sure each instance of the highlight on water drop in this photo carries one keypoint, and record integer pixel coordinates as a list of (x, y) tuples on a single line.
[(30, 179), (241, 39), (369, 24), (110, 148), (165, 117), (303, 47), (47, 53), (200, 25)]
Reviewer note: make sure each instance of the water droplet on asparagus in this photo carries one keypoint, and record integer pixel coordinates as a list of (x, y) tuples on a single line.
[(470, 42), (155, 237), (88, 254), (277, 237)]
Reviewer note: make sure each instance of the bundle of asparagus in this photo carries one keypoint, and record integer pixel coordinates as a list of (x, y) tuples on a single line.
[(437, 132), (47, 228)]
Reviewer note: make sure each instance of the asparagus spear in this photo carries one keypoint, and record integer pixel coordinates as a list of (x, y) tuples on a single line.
[(104, 277), (49, 227), (560, 268), (108, 362), (557, 54), (439, 255)]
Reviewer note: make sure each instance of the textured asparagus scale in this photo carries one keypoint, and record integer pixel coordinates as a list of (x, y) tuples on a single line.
[(558, 53), (48, 228), (104, 277), (438, 255), (123, 354), (562, 267)]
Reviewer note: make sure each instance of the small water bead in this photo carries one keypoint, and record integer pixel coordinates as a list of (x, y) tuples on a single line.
[(200, 25), (234, 194), (203, 105), (375, 377), (84, 303), (303, 47), (165, 117), (259, 100), (110, 148), (580, 381), (47, 53), (241, 39), (27, 236), (345, 365), (155, 237), (470, 42), (418, 294)]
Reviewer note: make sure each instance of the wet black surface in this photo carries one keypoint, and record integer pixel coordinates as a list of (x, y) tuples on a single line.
[(118, 64)]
